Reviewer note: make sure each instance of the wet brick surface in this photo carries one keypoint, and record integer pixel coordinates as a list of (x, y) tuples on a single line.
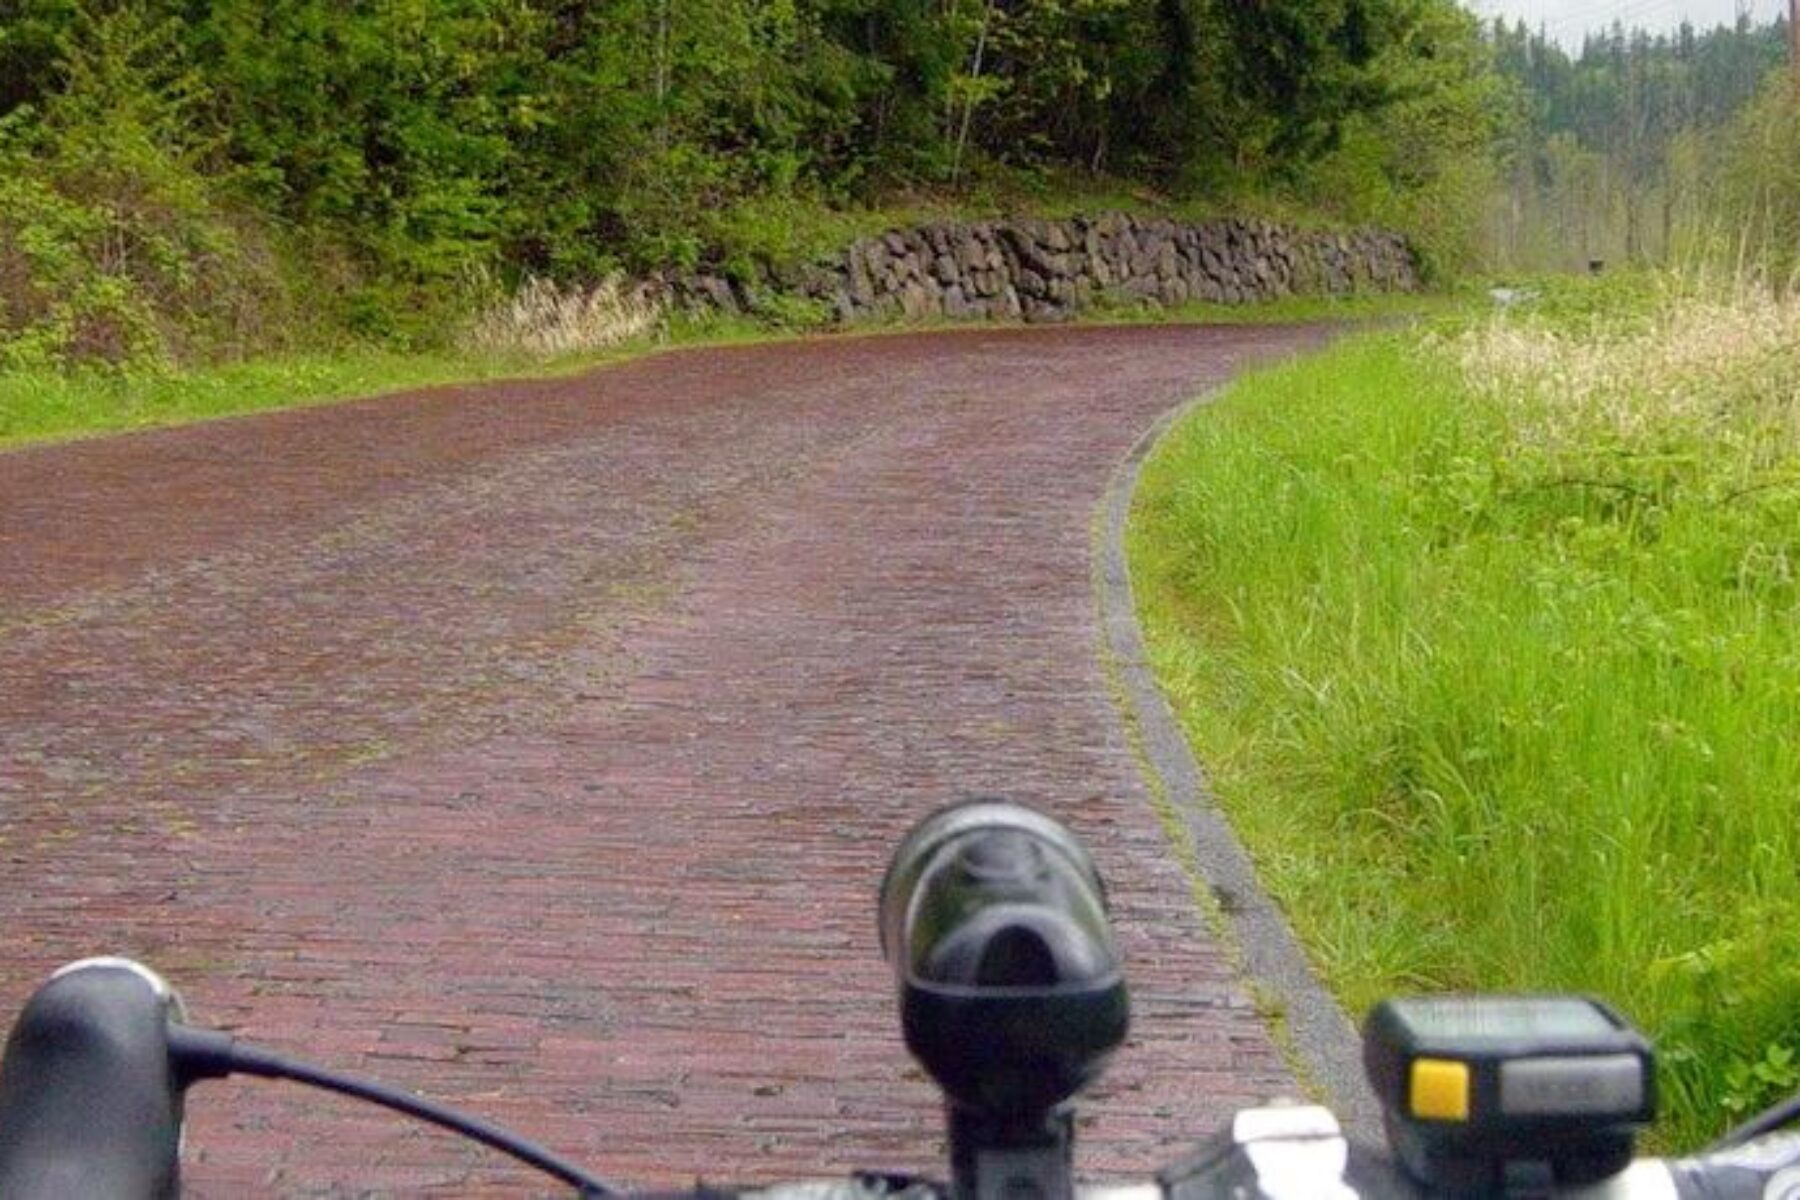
[(539, 746)]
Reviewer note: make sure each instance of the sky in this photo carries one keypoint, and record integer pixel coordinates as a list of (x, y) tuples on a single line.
[(1568, 20)]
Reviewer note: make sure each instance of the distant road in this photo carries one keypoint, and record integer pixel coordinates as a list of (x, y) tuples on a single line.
[(539, 746)]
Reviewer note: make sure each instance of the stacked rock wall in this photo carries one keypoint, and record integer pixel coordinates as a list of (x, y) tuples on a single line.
[(1037, 270)]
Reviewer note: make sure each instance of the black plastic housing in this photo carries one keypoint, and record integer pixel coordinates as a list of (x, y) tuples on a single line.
[(90, 1104), (1570, 1136), (1012, 994)]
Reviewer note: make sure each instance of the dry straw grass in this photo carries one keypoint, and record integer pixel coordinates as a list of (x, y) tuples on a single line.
[(546, 320), (1706, 363)]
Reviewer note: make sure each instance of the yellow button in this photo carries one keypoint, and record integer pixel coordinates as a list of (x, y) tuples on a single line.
[(1440, 1090)]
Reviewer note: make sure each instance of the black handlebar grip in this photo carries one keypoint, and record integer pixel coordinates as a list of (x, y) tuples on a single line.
[(90, 1105)]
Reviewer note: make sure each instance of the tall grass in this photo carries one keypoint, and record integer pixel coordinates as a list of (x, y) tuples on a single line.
[(1491, 643), (546, 320), (46, 405), (539, 329)]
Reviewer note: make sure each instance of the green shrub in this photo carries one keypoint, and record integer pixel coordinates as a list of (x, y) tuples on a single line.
[(115, 247)]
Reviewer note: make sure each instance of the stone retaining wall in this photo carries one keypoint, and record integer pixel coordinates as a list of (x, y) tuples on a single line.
[(1036, 270)]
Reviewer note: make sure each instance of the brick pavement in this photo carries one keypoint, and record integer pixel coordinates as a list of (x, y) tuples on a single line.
[(539, 746)]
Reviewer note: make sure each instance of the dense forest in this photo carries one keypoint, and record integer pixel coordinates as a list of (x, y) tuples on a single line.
[(180, 178), (1619, 152), (189, 180)]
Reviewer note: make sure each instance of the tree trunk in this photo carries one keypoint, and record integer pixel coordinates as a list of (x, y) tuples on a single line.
[(662, 73), (962, 134)]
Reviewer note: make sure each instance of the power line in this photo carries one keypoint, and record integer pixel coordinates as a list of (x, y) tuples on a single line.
[(1603, 15), (1598, 16), (1599, 12)]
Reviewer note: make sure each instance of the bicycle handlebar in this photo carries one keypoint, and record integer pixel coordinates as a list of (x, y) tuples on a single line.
[(995, 922), (92, 1086), (90, 1104)]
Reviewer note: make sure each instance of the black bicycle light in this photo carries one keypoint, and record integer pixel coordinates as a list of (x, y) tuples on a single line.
[(1012, 994)]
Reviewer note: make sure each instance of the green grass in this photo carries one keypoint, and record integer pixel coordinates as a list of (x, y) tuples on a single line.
[(1298, 309), (1505, 702), (56, 405), (48, 406)]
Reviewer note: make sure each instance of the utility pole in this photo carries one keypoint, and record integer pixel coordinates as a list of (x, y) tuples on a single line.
[(1794, 41)]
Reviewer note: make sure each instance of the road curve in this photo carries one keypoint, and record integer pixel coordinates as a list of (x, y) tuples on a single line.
[(538, 746)]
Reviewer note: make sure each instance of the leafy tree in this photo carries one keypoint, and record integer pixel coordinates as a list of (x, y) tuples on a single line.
[(1758, 178), (1616, 132), (404, 155), (1423, 158), (115, 242), (1306, 66), (385, 128), (30, 31)]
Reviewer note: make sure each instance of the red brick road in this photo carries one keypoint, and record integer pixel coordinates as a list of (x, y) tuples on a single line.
[(539, 746)]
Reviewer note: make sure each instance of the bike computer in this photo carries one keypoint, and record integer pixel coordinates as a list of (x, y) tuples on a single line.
[(1508, 1095)]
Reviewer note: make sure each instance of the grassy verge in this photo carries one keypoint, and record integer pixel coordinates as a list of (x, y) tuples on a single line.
[(56, 405), (52, 405), (1295, 309), (1491, 644)]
